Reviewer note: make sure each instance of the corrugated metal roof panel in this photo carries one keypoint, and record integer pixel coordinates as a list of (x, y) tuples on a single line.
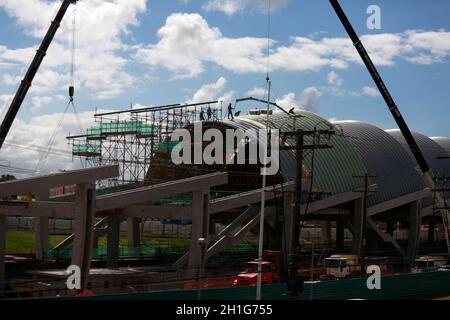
[(385, 157), (333, 168), (430, 149)]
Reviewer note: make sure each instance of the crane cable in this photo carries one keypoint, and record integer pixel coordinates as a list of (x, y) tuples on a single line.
[(48, 149), (72, 71)]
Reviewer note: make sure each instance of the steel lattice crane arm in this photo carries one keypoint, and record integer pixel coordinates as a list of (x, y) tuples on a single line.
[(394, 111), (32, 70)]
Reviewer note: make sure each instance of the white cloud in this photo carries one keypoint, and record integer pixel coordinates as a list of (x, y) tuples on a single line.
[(308, 100), (370, 91), (187, 43), (257, 92), (39, 101), (101, 29), (230, 7), (209, 92), (366, 91), (334, 79)]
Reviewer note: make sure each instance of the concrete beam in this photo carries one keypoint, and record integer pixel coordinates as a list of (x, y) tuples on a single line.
[(38, 184), (332, 201), (157, 212), (46, 209), (386, 237), (248, 198), (139, 195), (113, 241), (391, 204), (2, 252)]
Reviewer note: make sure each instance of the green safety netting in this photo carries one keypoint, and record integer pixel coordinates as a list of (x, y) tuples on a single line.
[(125, 251), (86, 149), (166, 146), (121, 127)]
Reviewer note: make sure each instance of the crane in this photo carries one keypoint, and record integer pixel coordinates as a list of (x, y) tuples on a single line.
[(413, 146), (31, 72)]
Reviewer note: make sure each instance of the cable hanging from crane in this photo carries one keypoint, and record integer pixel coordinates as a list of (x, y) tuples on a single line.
[(49, 147)]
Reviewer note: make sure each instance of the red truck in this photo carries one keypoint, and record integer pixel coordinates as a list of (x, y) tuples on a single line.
[(271, 266)]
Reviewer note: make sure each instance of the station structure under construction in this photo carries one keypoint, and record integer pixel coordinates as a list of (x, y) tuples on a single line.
[(364, 183)]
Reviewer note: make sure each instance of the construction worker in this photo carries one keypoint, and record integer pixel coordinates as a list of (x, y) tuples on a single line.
[(230, 112), (209, 113), (202, 115)]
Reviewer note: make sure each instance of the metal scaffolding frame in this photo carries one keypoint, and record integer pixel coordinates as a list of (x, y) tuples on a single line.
[(131, 138)]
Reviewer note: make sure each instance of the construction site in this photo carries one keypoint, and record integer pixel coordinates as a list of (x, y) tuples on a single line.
[(347, 195)]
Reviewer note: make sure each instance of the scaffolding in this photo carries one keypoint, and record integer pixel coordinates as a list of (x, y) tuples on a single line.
[(131, 138)]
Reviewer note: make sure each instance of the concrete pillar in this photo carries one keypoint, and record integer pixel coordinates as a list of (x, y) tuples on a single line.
[(390, 227), (431, 226), (414, 229), (41, 229), (325, 231), (41, 236), (340, 234), (133, 232), (113, 241), (200, 227), (2, 252), (358, 226), (84, 229)]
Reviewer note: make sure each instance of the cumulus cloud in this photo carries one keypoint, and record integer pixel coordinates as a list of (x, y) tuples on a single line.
[(101, 28), (26, 150), (308, 100), (187, 43), (334, 79), (213, 91), (366, 91), (230, 7), (257, 92)]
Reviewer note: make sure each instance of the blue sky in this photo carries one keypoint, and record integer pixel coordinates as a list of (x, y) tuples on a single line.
[(137, 53)]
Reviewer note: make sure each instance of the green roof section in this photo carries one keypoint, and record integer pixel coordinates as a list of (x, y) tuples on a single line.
[(334, 168)]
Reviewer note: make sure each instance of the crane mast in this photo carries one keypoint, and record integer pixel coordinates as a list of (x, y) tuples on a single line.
[(418, 155), (31, 72)]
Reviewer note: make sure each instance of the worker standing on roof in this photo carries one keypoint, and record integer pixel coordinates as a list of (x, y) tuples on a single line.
[(209, 113), (230, 112), (202, 115)]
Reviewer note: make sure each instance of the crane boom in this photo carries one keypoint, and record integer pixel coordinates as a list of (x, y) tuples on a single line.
[(418, 155), (31, 72)]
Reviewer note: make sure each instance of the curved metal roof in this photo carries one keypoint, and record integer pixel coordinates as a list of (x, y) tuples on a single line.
[(333, 168), (443, 142), (384, 157), (430, 149)]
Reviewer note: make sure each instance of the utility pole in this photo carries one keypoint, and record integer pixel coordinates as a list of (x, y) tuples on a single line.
[(294, 279), (366, 192)]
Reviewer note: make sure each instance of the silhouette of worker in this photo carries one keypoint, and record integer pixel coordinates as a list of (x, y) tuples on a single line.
[(209, 113), (230, 112), (202, 115)]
